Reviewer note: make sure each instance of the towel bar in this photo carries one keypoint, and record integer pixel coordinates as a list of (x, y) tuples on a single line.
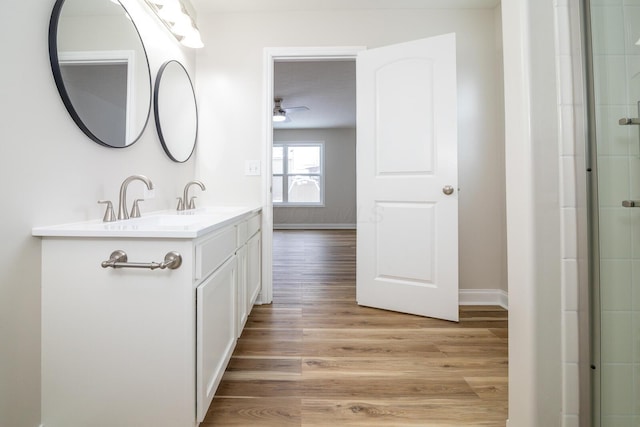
[(119, 259)]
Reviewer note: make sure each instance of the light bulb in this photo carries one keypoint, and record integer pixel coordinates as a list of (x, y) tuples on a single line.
[(182, 26), (279, 115)]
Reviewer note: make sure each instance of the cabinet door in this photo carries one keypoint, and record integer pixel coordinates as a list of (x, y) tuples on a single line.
[(216, 331), (242, 313), (254, 270)]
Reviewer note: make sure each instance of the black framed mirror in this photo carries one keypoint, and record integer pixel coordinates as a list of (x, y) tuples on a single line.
[(175, 110), (101, 69)]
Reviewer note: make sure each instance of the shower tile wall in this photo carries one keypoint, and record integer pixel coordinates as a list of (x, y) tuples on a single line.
[(567, 149), (615, 31)]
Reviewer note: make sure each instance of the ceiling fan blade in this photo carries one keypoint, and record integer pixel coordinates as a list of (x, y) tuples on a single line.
[(296, 109), (287, 119)]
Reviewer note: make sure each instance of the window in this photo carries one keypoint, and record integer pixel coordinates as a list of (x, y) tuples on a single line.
[(298, 173)]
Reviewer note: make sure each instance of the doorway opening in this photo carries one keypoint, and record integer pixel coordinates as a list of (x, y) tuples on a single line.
[(314, 163), (312, 61)]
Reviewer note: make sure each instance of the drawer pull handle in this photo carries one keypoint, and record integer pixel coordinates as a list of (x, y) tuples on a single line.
[(119, 259)]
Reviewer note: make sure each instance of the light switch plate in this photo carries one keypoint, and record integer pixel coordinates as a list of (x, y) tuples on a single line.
[(252, 167)]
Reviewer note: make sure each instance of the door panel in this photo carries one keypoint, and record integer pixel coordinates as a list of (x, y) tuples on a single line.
[(406, 156), (405, 86), (406, 222)]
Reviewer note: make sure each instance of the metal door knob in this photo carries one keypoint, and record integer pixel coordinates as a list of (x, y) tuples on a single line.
[(448, 190)]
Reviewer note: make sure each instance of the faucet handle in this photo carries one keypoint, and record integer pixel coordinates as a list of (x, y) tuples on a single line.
[(180, 206), (192, 202), (135, 210), (109, 215)]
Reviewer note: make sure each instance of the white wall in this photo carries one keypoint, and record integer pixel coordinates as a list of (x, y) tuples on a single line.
[(541, 234), (230, 85), (52, 173), (340, 179)]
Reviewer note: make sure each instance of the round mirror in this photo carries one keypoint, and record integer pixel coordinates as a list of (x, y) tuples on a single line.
[(175, 111), (101, 69)]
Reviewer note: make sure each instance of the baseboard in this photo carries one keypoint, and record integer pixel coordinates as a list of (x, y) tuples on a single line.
[(314, 226), (484, 297)]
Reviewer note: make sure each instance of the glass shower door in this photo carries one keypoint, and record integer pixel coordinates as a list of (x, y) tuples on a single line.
[(615, 53)]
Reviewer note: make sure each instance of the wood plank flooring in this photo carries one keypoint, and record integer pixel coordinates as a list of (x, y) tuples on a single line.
[(315, 358)]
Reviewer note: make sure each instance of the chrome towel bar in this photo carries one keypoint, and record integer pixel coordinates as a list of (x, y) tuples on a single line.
[(119, 259), (625, 121)]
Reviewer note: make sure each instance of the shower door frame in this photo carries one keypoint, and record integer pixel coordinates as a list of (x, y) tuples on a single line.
[(591, 397)]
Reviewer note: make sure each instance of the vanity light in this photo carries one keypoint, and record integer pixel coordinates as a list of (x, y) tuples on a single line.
[(178, 19), (192, 40)]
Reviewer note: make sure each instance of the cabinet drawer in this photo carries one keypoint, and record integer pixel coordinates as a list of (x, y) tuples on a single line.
[(242, 233), (213, 252), (253, 225)]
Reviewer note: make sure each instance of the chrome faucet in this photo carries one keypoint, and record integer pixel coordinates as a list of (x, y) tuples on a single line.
[(122, 201), (185, 203)]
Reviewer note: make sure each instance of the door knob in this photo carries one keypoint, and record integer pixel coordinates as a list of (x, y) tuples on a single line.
[(448, 190)]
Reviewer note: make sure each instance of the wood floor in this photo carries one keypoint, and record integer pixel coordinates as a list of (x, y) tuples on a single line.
[(315, 358)]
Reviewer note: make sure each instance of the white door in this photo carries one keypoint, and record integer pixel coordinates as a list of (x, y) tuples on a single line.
[(407, 178)]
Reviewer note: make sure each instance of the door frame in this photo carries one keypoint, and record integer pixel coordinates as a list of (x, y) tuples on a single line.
[(270, 57)]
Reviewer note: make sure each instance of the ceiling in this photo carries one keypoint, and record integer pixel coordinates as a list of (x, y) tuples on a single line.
[(216, 6), (327, 88)]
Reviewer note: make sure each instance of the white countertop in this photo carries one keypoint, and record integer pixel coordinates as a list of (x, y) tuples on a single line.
[(164, 224)]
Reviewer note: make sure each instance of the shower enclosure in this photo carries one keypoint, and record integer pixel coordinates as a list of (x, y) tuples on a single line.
[(614, 52)]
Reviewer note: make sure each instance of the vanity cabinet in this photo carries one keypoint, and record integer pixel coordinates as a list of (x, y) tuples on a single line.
[(254, 270), (136, 347), (250, 267)]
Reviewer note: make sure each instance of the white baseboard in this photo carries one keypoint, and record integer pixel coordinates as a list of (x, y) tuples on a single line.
[(484, 297), (314, 226)]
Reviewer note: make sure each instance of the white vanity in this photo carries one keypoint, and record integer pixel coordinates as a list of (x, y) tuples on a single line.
[(133, 347)]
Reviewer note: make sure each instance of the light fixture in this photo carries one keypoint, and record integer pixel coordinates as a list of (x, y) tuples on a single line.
[(179, 20), (279, 114), (638, 42)]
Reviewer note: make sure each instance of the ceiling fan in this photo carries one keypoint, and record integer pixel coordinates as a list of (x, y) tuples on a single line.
[(280, 114)]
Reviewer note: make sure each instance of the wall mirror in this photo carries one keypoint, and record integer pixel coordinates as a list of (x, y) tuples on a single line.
[(175, 111), (101, 69)]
